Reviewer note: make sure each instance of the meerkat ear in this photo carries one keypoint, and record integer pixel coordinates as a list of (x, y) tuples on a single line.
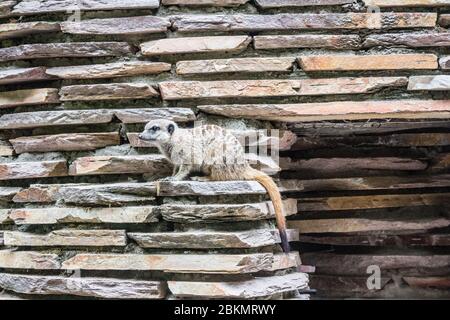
[(171, 128)]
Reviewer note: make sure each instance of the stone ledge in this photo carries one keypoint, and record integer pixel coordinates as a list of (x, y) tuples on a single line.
[(32, 7), (214, 213), (21, 75), (28, 260), (179, 90), (203, 239), (67, 238), (31, 170), (17, 30), (413, 39), (431, 83), (108, 91), (191, 263), (335, 42), (151, 163), (109, 70), (28, 97), (339, 110), (235, 65), (307, 21), (65, 50), (88, 194), (106, 288), (368, 62), (65, 142), (255, 288), (118, 26), (195, 45), (55, 215)]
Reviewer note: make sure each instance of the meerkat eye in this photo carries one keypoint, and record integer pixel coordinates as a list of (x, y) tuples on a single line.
[(155, 128)]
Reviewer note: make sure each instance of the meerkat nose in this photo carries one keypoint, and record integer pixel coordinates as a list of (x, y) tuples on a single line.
[(140, 135)]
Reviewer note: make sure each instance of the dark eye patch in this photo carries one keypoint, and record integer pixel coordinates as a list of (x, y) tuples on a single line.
[(155, 128)]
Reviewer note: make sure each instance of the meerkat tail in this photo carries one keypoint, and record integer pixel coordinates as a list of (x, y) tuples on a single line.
[(275, 196)]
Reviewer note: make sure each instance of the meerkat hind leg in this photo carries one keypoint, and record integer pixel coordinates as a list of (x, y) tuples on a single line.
[(183, 173)]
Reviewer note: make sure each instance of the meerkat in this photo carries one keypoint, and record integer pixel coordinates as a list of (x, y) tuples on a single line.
[(216, 153)]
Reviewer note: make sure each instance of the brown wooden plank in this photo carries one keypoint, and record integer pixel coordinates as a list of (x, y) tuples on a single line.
[(373, 202), (351, 225), (356, 264), (365, 183), (410, 240), (393, 140), (428, 282)]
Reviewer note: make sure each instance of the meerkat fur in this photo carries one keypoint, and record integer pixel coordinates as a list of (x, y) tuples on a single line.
[(214, 152)]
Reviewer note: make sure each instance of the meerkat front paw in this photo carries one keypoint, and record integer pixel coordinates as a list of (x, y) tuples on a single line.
[(170, 178)]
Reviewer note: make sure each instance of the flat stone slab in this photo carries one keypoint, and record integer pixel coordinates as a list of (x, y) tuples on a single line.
[(368, 62), (213, 188), (365, 225), (67, 238), (444, 20), (32, 169), (306, 21), (152, 163), (31, 7), (5, 149), (20, 75), (145, 115), (24, 120), (235, 65), (28, 97), (64, 50), (7, 193), (174, 263), (4, 216), (57, 215), (299, 3), (413, 39), (203, 239), (432, 83), (107, 91), (177, 90), (214, 213), (65, 142), (28, 260), (406, 3), (6, 8), (114, 194), (307, 41), (18, 30), (195, 45), (108, 70), (209, 3), (106, 288), (444, 63), (339, 110), (118, 26), (255, 288)]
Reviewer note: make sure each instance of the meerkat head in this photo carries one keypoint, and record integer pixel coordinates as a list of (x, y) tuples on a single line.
[(158, 131)]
